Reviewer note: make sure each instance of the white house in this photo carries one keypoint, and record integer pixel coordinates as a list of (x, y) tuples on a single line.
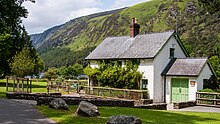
[(168, 72)]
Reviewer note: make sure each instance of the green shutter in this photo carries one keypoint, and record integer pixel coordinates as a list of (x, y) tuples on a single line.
[(180, 89)]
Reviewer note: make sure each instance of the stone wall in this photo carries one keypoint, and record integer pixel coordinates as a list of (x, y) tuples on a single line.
[(180, 105), (158, 106), (29, 96), (46, 98), (95, 101)]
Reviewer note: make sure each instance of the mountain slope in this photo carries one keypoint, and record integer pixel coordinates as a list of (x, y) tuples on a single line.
[(39, 39), (199, 31)]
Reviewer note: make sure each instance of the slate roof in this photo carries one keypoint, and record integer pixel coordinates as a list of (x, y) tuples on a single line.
[(125, 47), (186, 67)]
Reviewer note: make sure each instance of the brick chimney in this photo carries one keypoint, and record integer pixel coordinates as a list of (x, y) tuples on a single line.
[(134, 28)]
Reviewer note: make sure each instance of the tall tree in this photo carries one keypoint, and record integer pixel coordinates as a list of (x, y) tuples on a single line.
[(210, 6), (23, 63), (13, 36)]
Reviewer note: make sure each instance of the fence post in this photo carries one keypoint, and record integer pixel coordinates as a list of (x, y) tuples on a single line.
[(30, 86), (215, 99), (27, 85), (7, 85), (22, 85), (18, 87), (196, 97), (109, 92), (13, 85)]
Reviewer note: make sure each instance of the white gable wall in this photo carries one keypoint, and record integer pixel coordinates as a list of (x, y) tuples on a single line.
[(160, 62), (205, 74), (146, 67)]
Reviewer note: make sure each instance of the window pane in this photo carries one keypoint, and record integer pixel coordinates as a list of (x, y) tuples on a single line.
[(144, 83), (172, 52)]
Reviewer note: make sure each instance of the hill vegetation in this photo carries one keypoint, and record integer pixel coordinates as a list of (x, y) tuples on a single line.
[(199, 30)]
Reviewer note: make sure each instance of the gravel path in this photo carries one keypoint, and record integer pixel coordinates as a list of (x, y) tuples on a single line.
[(195, 109), (201, 109), (21, 112)]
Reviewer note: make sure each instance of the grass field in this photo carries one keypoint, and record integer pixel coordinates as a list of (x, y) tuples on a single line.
[(36, 87), (147, 116)]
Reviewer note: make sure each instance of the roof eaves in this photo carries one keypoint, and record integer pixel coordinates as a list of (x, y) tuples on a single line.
[(182, 75), (211, 68), (118, 58), (169, 65), (203, 67)]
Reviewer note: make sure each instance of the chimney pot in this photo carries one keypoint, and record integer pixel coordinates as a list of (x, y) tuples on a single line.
[(134, 28)]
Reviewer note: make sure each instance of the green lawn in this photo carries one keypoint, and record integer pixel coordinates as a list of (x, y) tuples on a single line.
[(36, 87), (147, 116)]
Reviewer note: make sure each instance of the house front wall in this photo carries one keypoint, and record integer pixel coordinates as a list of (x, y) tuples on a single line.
[(192, 88), (94, 64), (160, 62), (146, 67)]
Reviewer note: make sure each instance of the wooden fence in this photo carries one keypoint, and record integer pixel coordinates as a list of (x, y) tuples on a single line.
[(208, 99), (19, 84), (65, 85), (116, 93)]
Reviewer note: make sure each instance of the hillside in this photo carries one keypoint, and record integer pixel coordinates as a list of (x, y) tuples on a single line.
[(198, 30)]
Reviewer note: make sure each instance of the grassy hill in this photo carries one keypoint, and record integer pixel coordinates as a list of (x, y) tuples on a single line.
[(198, 30)]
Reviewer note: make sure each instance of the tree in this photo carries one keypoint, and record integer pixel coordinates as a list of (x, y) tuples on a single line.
[(13, 36), (71, 71), (76, 70), (23, 64), (210, 6), (51, 73), (215, 61)]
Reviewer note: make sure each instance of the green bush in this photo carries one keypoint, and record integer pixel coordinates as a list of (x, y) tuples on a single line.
[(207, 90), (113, 74)]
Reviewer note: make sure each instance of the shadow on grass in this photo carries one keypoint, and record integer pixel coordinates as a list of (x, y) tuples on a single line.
[(147, 116)]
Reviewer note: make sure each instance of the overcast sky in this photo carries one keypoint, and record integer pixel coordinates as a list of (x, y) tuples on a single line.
[(45, 14)]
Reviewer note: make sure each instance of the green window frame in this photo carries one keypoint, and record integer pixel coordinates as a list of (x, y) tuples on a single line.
[(172, 53), (144, 84)]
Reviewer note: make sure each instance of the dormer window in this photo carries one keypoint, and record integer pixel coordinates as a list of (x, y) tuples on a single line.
[(172, 53)]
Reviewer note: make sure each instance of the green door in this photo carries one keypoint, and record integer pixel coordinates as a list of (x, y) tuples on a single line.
[(180, 89)]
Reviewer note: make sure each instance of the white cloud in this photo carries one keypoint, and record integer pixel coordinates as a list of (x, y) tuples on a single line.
[(83, 12), (48, 13), (126, 3)]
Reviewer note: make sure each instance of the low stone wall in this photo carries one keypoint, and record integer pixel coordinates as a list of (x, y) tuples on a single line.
[(95, 101), (180, 105), (29, 96), (158, 106), (46, 98), (145, 101)]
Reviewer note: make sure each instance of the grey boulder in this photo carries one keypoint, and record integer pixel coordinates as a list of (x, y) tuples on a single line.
[(124, 119), (87, 109), (58, 103)]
